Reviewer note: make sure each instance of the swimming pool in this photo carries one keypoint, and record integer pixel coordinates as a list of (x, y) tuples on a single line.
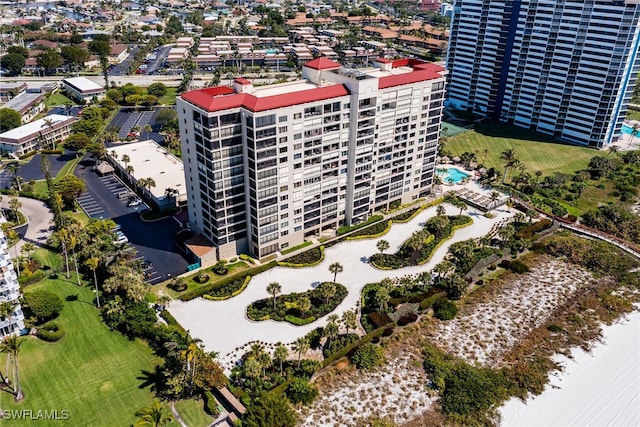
[(627, 129), (451, 175), (272, 50)]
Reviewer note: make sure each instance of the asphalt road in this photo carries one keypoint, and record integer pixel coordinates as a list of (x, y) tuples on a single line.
[(126, 119), (154, 241), (154, 65)]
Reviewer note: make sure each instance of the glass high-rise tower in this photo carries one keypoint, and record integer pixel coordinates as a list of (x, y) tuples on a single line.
[(563, 68)]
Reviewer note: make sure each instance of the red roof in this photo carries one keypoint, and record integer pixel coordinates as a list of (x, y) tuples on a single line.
[(213, 100), (242, 81), (421, 71), (383, 60), (322, 63)]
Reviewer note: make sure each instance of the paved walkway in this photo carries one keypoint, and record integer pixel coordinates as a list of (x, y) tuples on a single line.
[(40, 220), (223, 326)]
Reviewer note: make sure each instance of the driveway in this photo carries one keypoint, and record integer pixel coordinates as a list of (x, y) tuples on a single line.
[(223, 326), (40, 218)]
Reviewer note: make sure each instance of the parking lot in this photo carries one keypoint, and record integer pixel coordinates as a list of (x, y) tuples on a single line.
[(32, 170), (108, 197), (127, 119)]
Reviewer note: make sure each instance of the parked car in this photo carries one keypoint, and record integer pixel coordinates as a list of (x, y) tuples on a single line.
[(134, 202), (120, 238)]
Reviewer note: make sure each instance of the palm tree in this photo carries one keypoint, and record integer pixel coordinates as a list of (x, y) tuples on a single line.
[(274, 289), (327, 290), (495, 196), (634, 132), (301, 345), (382, 246), (92, 263), (11, 346), (304, 304), (148, 129), (125, 159), (153, 416), (14, 205), (335, 268), (147, 183), (14, 168), (280, 354), (13, 238), (440, 210), (349, 320), (330, 331), (463, 206), (28, 248), (129, 170), (509, 158)]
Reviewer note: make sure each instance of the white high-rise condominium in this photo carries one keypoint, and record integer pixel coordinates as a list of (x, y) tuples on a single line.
[(564, 68), (11, 322), (268, 166)]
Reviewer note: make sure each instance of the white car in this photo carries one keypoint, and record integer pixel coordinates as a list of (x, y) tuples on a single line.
[(134, 202), (120, 238)]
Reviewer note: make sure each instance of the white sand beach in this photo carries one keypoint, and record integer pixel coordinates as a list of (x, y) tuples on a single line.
[(600, 388)]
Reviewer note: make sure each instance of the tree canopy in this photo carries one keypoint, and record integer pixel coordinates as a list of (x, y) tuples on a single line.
[(9, 119)]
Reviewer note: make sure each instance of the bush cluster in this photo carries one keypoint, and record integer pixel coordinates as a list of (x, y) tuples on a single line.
[(346, 229), (50, 331), (407, 318), (444, 309), (43, 305), (210, 404), (528, 231), (335, 345), (429, 302), (379, 319), (367, 356), (227, 285), (286, 307), (178, 286), (307, 258), (515, 266), (406, 256)]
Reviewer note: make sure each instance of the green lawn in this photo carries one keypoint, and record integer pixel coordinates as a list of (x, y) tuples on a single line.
[(633, 115), (92, 372), (170, 97), (57, 99), (538, 152), (192, 412)]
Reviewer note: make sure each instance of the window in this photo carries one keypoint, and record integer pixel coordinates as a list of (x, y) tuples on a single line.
[(297, 136), (297, 146), (283, 149), (265, 121), (282, 119), (282, 129), (297, 116)]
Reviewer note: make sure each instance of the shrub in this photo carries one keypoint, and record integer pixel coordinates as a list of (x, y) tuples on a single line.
[(444, 309), (528, 231), (407, 318), (518, 267), (373, 231), (210, 404), (388, 331), (428, 302), (178, 286), (379, 319), (367, 356), (220, 269), (347, 229), (554, 328), (247, 258), (28, 278), (301, 391), (43, 305), (294, 320), (201, 278), (50, 331), (337, 344), (307, 258)]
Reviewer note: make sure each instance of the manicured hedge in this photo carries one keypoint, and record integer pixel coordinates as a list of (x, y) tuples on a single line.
[(294, 320), (305, 259), (528, 231), (51, 332), (230, 290), (371, 232), (171, 321), (211, 288), (348, 229)]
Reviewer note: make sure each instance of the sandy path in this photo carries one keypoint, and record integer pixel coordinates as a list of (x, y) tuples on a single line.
[(223, 326)]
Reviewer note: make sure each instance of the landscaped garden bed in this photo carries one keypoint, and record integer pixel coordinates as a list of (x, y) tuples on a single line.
[(305, 259), (420, 246), (299, 308)]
